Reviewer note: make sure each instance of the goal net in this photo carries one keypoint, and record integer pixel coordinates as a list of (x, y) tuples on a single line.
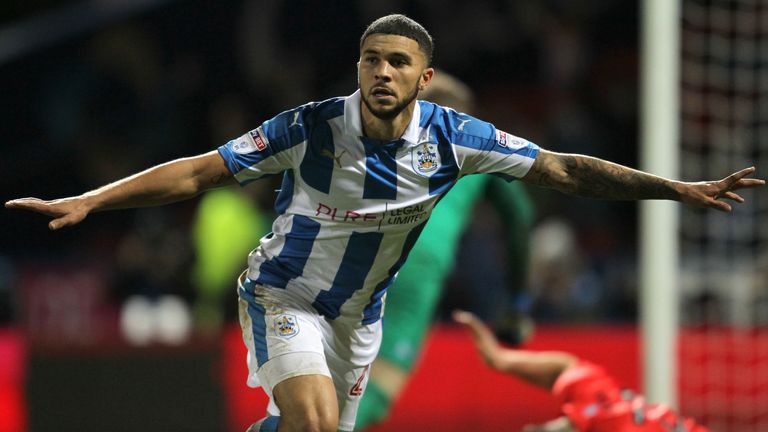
[(723, 339)]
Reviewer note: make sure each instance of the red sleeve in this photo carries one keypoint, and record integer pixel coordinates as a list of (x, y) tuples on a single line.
[(584, 383), (593, 402)]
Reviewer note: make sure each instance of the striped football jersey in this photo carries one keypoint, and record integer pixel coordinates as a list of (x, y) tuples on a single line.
[(350, 208)]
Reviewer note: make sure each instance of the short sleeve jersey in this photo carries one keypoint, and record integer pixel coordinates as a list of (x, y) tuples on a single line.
[(350, 208), (594, 402)]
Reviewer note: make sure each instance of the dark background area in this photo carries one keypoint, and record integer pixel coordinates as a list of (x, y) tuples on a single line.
[(94, 91), (172, 79)]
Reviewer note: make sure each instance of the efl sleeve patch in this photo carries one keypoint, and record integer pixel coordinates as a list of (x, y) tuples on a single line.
[(250, 142), (509, 141)]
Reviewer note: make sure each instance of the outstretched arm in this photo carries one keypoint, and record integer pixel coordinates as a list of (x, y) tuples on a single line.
[(165, 183), (596, 178), (540, 368)]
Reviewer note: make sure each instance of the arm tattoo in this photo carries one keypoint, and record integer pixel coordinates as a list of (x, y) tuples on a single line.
[(220, 178), (596, 178), (601, 179)]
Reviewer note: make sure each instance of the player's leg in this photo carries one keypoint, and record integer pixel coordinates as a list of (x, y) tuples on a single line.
[(287, 355), (301, 403), (351, 347), (307, 403)]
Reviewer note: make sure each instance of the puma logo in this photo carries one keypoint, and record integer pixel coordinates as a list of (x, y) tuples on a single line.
[(327, 153), (461, 125), (295, 119)]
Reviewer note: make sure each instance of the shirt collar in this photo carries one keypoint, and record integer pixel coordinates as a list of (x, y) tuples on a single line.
[(353, 121)]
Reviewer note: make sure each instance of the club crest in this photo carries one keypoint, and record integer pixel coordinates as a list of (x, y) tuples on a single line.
[(426, 159), (286, 326)]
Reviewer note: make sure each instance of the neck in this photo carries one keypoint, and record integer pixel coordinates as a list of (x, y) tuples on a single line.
[(386, 130)]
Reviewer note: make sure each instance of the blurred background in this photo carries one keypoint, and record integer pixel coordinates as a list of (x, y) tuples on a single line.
[(126, 322)]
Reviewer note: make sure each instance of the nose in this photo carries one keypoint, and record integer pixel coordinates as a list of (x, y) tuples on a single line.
[(383, 71)]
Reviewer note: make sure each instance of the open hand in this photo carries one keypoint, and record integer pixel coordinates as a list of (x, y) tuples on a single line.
[(485, 341), (710, 193), (64, 211)]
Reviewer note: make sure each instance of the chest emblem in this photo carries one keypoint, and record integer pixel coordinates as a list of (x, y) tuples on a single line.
[(425, 159)]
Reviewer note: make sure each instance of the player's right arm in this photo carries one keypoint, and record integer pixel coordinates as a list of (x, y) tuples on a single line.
[(165, 183)]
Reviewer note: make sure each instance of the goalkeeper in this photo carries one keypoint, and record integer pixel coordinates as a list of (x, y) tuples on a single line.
[(591, 400), (411, 302)]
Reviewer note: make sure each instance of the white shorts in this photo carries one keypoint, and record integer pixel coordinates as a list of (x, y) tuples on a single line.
[(286, 337)]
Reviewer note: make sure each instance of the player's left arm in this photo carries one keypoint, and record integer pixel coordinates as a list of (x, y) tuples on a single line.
[(591, 177)]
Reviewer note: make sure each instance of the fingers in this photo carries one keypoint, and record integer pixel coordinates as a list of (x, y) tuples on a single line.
[(732, 196), (727, 185), (68, 219), (462, 317), (483, 336), (720, 205), (32, 204), (733, 178), (64, 213), (21, 202), (468, 319), (748, 183), (58, 223), (737, 180)]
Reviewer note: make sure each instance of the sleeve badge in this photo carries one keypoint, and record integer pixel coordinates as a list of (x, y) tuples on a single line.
[(249, 143)]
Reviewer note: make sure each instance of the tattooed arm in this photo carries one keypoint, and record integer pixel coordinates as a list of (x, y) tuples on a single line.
[(165, 183), (596, 178)]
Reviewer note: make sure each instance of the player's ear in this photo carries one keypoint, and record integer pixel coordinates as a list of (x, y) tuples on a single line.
[(426, 77)]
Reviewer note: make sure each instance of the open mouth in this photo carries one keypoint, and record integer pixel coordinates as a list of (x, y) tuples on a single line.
[(382, 93)]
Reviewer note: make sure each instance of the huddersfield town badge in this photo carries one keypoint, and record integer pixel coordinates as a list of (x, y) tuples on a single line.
[(425, 159), (286, 326)]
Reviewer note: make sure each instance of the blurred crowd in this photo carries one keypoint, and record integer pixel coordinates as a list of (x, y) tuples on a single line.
[(180, 78)]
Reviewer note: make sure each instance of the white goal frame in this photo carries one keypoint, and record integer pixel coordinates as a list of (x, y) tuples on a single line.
[(659, 220)]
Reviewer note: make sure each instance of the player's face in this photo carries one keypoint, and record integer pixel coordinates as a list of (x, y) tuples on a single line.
[(391, 71)]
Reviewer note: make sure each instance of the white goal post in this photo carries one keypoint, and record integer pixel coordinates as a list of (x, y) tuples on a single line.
[(658, 231), (703, 273)]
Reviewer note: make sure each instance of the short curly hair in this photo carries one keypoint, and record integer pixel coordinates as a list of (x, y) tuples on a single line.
[(401, 25)]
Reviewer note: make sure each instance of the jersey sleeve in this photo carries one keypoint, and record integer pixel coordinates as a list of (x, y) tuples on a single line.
[(481, 148), (585, 382), (269, 149), (591, 399)]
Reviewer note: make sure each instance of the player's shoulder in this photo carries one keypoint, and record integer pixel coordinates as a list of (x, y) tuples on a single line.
[(457, 125), (328, 108), (314, 110)]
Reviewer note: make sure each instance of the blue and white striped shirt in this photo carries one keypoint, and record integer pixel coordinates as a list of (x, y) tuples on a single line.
[(350, 208)]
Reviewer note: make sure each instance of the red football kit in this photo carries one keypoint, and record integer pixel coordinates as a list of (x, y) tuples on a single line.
[(594, 402)]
